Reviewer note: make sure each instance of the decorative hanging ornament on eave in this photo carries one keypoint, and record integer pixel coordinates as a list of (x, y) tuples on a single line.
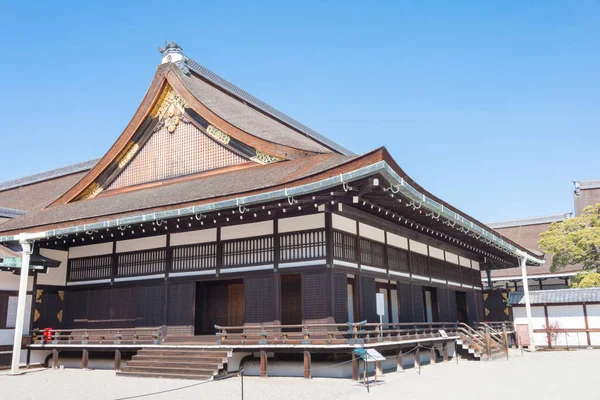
[(169, 108)]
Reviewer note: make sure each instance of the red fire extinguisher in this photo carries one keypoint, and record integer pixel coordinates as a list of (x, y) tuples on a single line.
[(47, 334)]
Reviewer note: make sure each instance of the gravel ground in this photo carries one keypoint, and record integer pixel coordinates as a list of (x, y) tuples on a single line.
[(545, 375)]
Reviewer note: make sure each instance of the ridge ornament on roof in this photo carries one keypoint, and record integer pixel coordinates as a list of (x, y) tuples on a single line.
[(173, 53)]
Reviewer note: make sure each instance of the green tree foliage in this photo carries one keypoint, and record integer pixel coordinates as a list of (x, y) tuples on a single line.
[(574, 241), (585, 279)]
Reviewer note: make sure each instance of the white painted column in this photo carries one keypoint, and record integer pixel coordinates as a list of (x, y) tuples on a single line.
[(16, 355), (523, 261)]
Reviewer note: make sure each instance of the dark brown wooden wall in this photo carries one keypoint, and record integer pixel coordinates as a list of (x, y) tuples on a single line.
[(419, 303), (340, 288), (368, 301), (180, 306), (259, 305), (405, 302), (471, 307), (442, 298), (452, 305), (314, 297)]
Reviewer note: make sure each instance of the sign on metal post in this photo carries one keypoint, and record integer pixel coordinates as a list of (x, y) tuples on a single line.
[(380, 304)]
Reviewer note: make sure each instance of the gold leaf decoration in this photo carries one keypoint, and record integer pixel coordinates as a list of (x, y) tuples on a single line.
[(218, 134), (92, 191), (61, 294), (485, 296), (167, 98), (264, 158), (506, 311), (38, 295), (128, 154), (59, 315), (487, 312), (36, 315)]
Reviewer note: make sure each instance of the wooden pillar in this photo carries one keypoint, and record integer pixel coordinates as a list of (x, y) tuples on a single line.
[(548, 330), (488, 344), (417, 358), (378, 369), (84, 359), (587, 326), (117, 360), (399, 363), (307, 365), (446, 352), (432, 355), (54, 358), (355, 372), (263, 364)]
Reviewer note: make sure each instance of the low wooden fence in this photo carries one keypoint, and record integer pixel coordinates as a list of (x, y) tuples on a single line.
[(99, 336), (324, 334)]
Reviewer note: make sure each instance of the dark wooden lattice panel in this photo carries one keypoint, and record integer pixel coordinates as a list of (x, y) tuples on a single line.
[(466, 275), (453, 274), (291, 299), (150, 306), (181, 304), (344, 246), (419, 264), (438, 268), (167, 155), (314, 297), (442, 297), (90, 268), (340, 288), (195, 257), (305, 245), (372, 253), (419, 303), (452, 314), (398, 259), (99, 308), (146, 262), (405, 302), (368, 300), (76, 309), (259, 306), (124, 302), (471, 308), (476, 278), (480, 306), (250, 251)]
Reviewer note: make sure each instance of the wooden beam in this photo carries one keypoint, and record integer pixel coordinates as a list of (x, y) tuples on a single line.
[(263, 364), (307, 365), (417, 358), (432, 355), (355, 372), (84, 359), (587, 326), (446, 352), (399, 363), (117, 360), (54, 358)]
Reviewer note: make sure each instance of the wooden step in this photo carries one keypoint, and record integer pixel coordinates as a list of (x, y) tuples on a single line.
[(170, 363), (164, 375), (183, 353), (181, 370)]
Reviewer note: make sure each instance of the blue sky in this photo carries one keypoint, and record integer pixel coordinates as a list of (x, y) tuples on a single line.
[(491, 105)]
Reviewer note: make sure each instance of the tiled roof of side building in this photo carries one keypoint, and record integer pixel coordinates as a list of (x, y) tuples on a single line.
[(251, 114), (44, 176), (561, 296), (583, 185), (546, 219)]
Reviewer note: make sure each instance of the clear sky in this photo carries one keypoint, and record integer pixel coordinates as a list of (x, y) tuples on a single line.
[(491, 105)]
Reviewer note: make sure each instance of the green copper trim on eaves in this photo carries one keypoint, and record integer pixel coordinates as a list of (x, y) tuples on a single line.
[(398, 183)]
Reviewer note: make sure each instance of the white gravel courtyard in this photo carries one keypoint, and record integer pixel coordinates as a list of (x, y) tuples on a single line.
[(543, 375)]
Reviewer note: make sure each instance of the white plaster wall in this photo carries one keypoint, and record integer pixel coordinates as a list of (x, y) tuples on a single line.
[(593, 312), (194, 237), (436, 253), (153, 242), (370, 232), (397, 240), (475, 265), (343, 224), (247, 230), (9, 281), (90, 250), (465, 262), (302, 223), (54, 276), (451, 257), (569, 317), (538, 318), (418, 247)]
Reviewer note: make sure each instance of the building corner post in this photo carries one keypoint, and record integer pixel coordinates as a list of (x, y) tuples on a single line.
[(27, 246), (523, 262)]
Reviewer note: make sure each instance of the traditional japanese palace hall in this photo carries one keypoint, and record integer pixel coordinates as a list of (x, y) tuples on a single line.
[(214, 219)]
